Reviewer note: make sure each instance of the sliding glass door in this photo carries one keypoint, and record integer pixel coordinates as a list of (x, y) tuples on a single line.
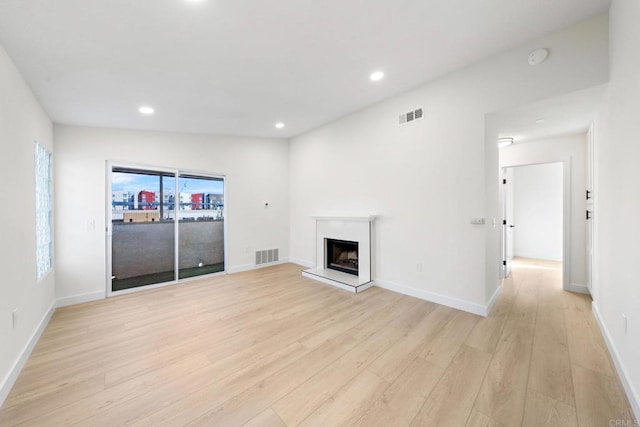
[(165, 226), (201, 225)]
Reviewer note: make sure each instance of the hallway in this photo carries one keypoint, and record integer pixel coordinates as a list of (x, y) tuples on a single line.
[(550, 365)]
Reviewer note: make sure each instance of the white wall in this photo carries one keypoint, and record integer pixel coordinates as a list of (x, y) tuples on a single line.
[(255, 169), (22, 121), (571, 148), (537, 211), (617, 199), (427, 180)]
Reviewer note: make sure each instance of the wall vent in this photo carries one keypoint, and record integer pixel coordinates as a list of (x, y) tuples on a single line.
[(411, 116), (267, 256)]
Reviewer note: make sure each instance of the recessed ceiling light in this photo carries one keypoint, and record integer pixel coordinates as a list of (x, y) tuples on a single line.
[(279, 125), (540, 121), (146, 110), (376, 76), (503, 142)]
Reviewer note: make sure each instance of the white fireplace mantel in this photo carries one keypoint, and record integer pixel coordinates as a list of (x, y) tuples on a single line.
[(343, 227)]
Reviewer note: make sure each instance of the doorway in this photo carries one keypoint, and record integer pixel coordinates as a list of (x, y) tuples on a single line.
[(535, 206), (163, 226)]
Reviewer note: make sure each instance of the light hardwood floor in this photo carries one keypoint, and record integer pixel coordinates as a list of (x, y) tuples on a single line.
[(271, 348)]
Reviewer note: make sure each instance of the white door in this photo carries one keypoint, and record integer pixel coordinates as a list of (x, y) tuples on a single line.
[(507, 221)]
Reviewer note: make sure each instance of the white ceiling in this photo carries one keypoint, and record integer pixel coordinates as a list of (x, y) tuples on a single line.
[(239, 66), (563, 115)]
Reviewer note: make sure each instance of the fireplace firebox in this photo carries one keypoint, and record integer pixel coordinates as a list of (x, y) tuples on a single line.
[(342, 255)]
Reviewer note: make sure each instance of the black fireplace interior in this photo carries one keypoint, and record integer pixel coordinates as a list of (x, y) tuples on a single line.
[(342, 255)]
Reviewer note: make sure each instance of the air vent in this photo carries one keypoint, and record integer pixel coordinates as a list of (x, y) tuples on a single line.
[(411, 116), (266, 256)]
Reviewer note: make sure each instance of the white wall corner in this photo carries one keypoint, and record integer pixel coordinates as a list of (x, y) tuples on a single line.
[(632, 393), (9, 380), (79, 299), (456, 303), (578, 287)]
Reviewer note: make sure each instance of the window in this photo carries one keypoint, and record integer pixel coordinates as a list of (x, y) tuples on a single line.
[(44, 215)]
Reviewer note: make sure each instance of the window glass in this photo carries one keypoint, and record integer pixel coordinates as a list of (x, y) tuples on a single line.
[(44, 211)]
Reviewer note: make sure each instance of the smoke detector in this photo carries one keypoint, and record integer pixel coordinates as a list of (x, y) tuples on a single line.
[(538, 56)]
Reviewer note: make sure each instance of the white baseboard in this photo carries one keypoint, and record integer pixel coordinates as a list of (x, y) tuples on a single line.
[(247, 267), (79, 299), (10, 379), (302, 262), (12, 375), (578, 287), (493, 300), (632, 394), (456, 303)]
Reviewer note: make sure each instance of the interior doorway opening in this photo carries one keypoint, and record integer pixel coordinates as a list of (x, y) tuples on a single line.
[(534, 220)]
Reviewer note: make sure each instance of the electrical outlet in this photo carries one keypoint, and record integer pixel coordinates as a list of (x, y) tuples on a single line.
[(14, 318), (624, 323), (419, 267)]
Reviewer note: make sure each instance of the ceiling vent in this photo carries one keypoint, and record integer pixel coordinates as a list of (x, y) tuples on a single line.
[(411, 116)]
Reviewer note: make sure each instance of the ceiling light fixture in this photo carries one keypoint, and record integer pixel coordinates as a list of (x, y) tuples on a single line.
[(146, 110), (503, 142), (279, 125), (376, 76)]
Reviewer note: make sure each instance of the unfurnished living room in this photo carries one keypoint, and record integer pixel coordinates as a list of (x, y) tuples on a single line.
[(331, 213)]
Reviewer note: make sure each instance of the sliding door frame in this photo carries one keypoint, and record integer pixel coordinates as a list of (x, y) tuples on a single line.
[(110, 164)]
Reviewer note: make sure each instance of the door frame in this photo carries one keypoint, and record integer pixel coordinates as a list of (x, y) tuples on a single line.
[(566, 216), (505, 271), (110, 164)]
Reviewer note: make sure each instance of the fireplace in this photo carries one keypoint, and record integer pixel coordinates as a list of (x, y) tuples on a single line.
[(343, 252), (341, 255)]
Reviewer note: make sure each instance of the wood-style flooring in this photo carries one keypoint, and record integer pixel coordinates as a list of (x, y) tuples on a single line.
[(271, 348)]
